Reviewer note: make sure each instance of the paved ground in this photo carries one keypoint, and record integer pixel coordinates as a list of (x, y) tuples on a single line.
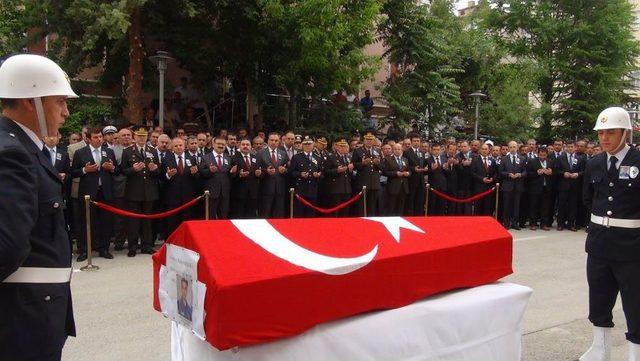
[(116, 321)]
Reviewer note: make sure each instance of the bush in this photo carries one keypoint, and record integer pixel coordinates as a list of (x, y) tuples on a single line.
[(86, 111)]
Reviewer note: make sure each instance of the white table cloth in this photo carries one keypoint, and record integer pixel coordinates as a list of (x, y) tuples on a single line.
[(476, 324)]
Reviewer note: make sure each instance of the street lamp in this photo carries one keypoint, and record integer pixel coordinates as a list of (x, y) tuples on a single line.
[(634, 116), (478, 95), (161, 59)]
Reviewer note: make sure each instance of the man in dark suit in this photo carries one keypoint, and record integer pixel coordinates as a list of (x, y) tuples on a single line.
[(554, 156), (465, 178), (418, 165), (512, 172), (273, 185), (305, 169), (216, 170), (483, 171), (95, 166), (396, 168), (451, 167), (338, 171), (141, 165), (180, 179), (35, 261), (437, 181), (245, 183), (540, 175), (367, 160), (570, 166)]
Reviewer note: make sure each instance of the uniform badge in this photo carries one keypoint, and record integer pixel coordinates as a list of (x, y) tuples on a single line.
[(489, 161), (253, 160), (13, 135), (149, 155), (625, 172), (517, 160), (226, 162), (104, 154), (633, 172), (314, 161), (188, 162), (58, 156), (575, 161)]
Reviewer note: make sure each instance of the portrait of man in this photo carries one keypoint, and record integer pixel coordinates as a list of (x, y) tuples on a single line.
[(184, 301)]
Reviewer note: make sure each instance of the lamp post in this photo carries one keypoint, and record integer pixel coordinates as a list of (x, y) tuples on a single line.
[(161, 59), (478, 95)]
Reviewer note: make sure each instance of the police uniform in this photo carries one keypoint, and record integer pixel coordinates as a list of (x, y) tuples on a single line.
[(36, 314), (612, 192), (368, 175), (305, 187)]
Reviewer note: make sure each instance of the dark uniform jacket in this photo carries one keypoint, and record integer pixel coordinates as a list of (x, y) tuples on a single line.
[(479, 171), (465, 174), (537, 182), (367, 175), (277, 183), (562, 166), (246, 187), (616, 198), (63, 165), (219, 183), (395, 184), (438, 176), (306, 187), (507, 167), (452, 173), (35, 318), (143, 185), (180, 188), (89, 181), (339, 183)]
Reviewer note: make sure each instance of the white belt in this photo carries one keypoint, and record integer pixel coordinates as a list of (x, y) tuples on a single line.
[(39, 275), (615, 222)]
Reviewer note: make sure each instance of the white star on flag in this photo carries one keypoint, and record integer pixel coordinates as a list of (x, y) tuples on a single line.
[(393, 225)]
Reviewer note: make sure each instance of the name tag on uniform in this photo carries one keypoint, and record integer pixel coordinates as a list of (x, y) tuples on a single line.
[(575, 161), (633, 172), (517, 160), (149, 155), (226, 162), (625, 172), (188, 162), (253, 160), (58, 156), (104, 154), (489, 161)]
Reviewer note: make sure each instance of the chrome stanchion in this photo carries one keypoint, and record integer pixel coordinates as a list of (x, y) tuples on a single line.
[(87, 208)]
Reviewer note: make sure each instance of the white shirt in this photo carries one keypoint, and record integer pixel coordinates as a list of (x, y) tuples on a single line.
[(31, 135), (620, 155)]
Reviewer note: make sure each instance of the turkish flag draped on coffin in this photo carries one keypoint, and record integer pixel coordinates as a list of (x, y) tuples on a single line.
[(268, 279)]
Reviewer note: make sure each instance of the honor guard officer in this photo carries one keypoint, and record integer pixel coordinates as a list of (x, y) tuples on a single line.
[(612, 192), (36, 315), (306, 170)]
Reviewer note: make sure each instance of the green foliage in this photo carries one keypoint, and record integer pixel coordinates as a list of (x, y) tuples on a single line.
[(333, 121), (418, 40), (17, 20), (86, 111), (585, 52)]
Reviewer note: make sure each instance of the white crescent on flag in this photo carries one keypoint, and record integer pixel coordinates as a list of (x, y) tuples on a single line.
[(271, 240)]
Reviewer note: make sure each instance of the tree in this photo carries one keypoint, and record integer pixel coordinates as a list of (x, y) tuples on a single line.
[(417, 37), (585, 51)]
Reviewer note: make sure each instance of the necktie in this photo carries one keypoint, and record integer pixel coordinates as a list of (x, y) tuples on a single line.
[(96, 157), (613, 171), (180, 165), (52, 156), (219, 162), (161, 157), (274, 160), (246, 162), (46, 152), (571, 162), (513, 159), (399, 162), (486, 166), (344, 160), (437, 160), (309, 156)]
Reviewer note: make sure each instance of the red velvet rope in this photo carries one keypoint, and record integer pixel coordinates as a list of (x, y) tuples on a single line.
[(122, 212), (466, 200), (329, 210)]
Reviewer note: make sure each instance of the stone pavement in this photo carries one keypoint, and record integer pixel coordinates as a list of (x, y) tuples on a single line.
[(116, 321)]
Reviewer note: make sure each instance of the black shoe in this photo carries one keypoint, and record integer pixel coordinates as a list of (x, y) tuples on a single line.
[(517, 228), (118, 247), (148, 250), (82, 257), (105, 254), (131, 253)]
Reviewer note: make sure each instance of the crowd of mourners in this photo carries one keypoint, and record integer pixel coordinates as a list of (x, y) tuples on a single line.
[(144, 170)]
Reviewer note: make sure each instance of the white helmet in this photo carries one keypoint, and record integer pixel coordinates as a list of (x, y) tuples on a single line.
[(28, 76), (33, 76), (613, 118)]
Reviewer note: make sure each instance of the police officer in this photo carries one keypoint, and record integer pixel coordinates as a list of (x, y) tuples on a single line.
[(612, 192), (306, 170), (35, 261)]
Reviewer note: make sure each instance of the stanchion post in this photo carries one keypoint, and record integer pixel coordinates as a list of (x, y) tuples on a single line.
[(292, 193), (426, 200), (206, 204), (364, 200), (87, 208), (497, 200)]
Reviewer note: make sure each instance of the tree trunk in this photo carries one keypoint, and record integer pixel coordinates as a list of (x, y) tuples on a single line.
[(134, 77)]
